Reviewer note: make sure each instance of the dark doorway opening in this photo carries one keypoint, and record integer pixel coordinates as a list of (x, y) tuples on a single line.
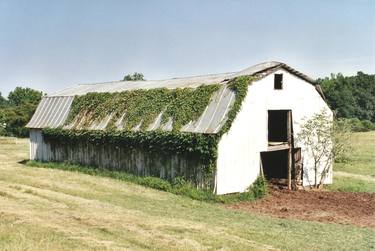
[(275, 164), (278, 125)]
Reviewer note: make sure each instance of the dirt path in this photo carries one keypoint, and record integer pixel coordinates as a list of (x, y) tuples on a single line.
[(339, 207)]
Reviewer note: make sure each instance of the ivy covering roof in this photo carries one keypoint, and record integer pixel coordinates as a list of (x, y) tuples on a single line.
[(197, 104)]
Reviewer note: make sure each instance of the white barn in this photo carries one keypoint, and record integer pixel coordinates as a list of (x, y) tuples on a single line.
[(260, 138)]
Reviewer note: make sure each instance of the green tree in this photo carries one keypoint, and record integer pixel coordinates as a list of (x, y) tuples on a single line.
[(136, 76), (351, 97), (3, 131), (23, 96), (3, 101), (16, 117), (18, 110)]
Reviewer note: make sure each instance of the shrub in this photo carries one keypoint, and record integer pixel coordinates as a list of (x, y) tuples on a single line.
[(155, 183), (357, 125), (259, 188), (368, 125)]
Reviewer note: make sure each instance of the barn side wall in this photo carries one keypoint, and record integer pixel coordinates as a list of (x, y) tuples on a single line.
[(133, 161), (238, 163)]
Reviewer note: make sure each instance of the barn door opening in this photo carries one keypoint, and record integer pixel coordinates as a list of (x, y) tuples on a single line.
[(275, 165), (278, 161)]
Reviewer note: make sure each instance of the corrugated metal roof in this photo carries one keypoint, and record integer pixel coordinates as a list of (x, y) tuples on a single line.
[(210, 121), (54, 109), (119, 86), (51, 112)]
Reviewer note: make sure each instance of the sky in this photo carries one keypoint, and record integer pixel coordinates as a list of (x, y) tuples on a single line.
[(50, 45)]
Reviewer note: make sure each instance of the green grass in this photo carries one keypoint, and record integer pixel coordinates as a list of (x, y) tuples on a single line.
[(349, 184), (362, 159), (358, 173), (18, 235), (178, 186), (51, 209)]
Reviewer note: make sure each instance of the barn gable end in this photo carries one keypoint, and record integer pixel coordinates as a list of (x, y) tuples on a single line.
[(239, 151)]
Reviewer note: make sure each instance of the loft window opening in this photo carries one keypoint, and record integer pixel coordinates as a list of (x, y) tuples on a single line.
[(278, 125), (278, 82)]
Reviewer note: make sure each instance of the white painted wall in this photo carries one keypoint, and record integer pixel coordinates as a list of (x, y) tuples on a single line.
[(238, 163)]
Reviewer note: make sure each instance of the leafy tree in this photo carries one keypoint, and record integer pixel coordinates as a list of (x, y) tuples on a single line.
[(3, 101), (3, 131), (17, 111), (16, 117), (351, 97), (23, 96), (136, 76)]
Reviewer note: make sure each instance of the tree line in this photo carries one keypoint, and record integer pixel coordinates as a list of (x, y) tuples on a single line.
[(351, 97)]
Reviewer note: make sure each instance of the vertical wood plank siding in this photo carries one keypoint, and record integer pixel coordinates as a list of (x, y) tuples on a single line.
[(133, 161)]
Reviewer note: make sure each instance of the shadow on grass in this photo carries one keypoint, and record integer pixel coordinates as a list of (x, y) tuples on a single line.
[(23, 162), (177, 186)]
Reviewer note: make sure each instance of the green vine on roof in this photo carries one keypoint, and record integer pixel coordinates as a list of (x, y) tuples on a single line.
[(183, 105), (239, 85), (141, 107)]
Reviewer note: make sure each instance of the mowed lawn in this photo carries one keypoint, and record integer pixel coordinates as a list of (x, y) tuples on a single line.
[(59, 210), (358, 173)]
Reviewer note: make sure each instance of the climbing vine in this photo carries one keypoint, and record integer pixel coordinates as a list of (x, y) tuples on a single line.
[(239, 85), (143, 106)]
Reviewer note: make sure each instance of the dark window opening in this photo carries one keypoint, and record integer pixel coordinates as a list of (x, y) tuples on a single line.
[(278, 125), (275, 164), (278, 84)]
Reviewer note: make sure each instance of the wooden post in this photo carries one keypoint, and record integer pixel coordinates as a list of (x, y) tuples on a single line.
[(290, 168), (290, 151)]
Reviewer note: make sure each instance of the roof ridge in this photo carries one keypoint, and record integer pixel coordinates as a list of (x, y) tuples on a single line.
[(177, 82), (156, 80)]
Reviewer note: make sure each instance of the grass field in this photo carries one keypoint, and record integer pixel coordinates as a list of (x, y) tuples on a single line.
[(60, 210), (358, 174)]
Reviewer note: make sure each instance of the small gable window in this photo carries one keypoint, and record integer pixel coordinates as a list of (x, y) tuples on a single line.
[(278, 82)]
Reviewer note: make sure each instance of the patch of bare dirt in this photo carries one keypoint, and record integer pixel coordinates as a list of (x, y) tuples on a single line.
[(339, 207)]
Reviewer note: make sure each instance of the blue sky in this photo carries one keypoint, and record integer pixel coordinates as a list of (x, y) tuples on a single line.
[(49, 45)]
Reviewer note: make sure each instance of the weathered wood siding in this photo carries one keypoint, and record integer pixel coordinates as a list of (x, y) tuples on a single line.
[(38, 149), (134, 161)]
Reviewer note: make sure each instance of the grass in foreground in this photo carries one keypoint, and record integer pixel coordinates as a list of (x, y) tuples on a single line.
[(54, 209)]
